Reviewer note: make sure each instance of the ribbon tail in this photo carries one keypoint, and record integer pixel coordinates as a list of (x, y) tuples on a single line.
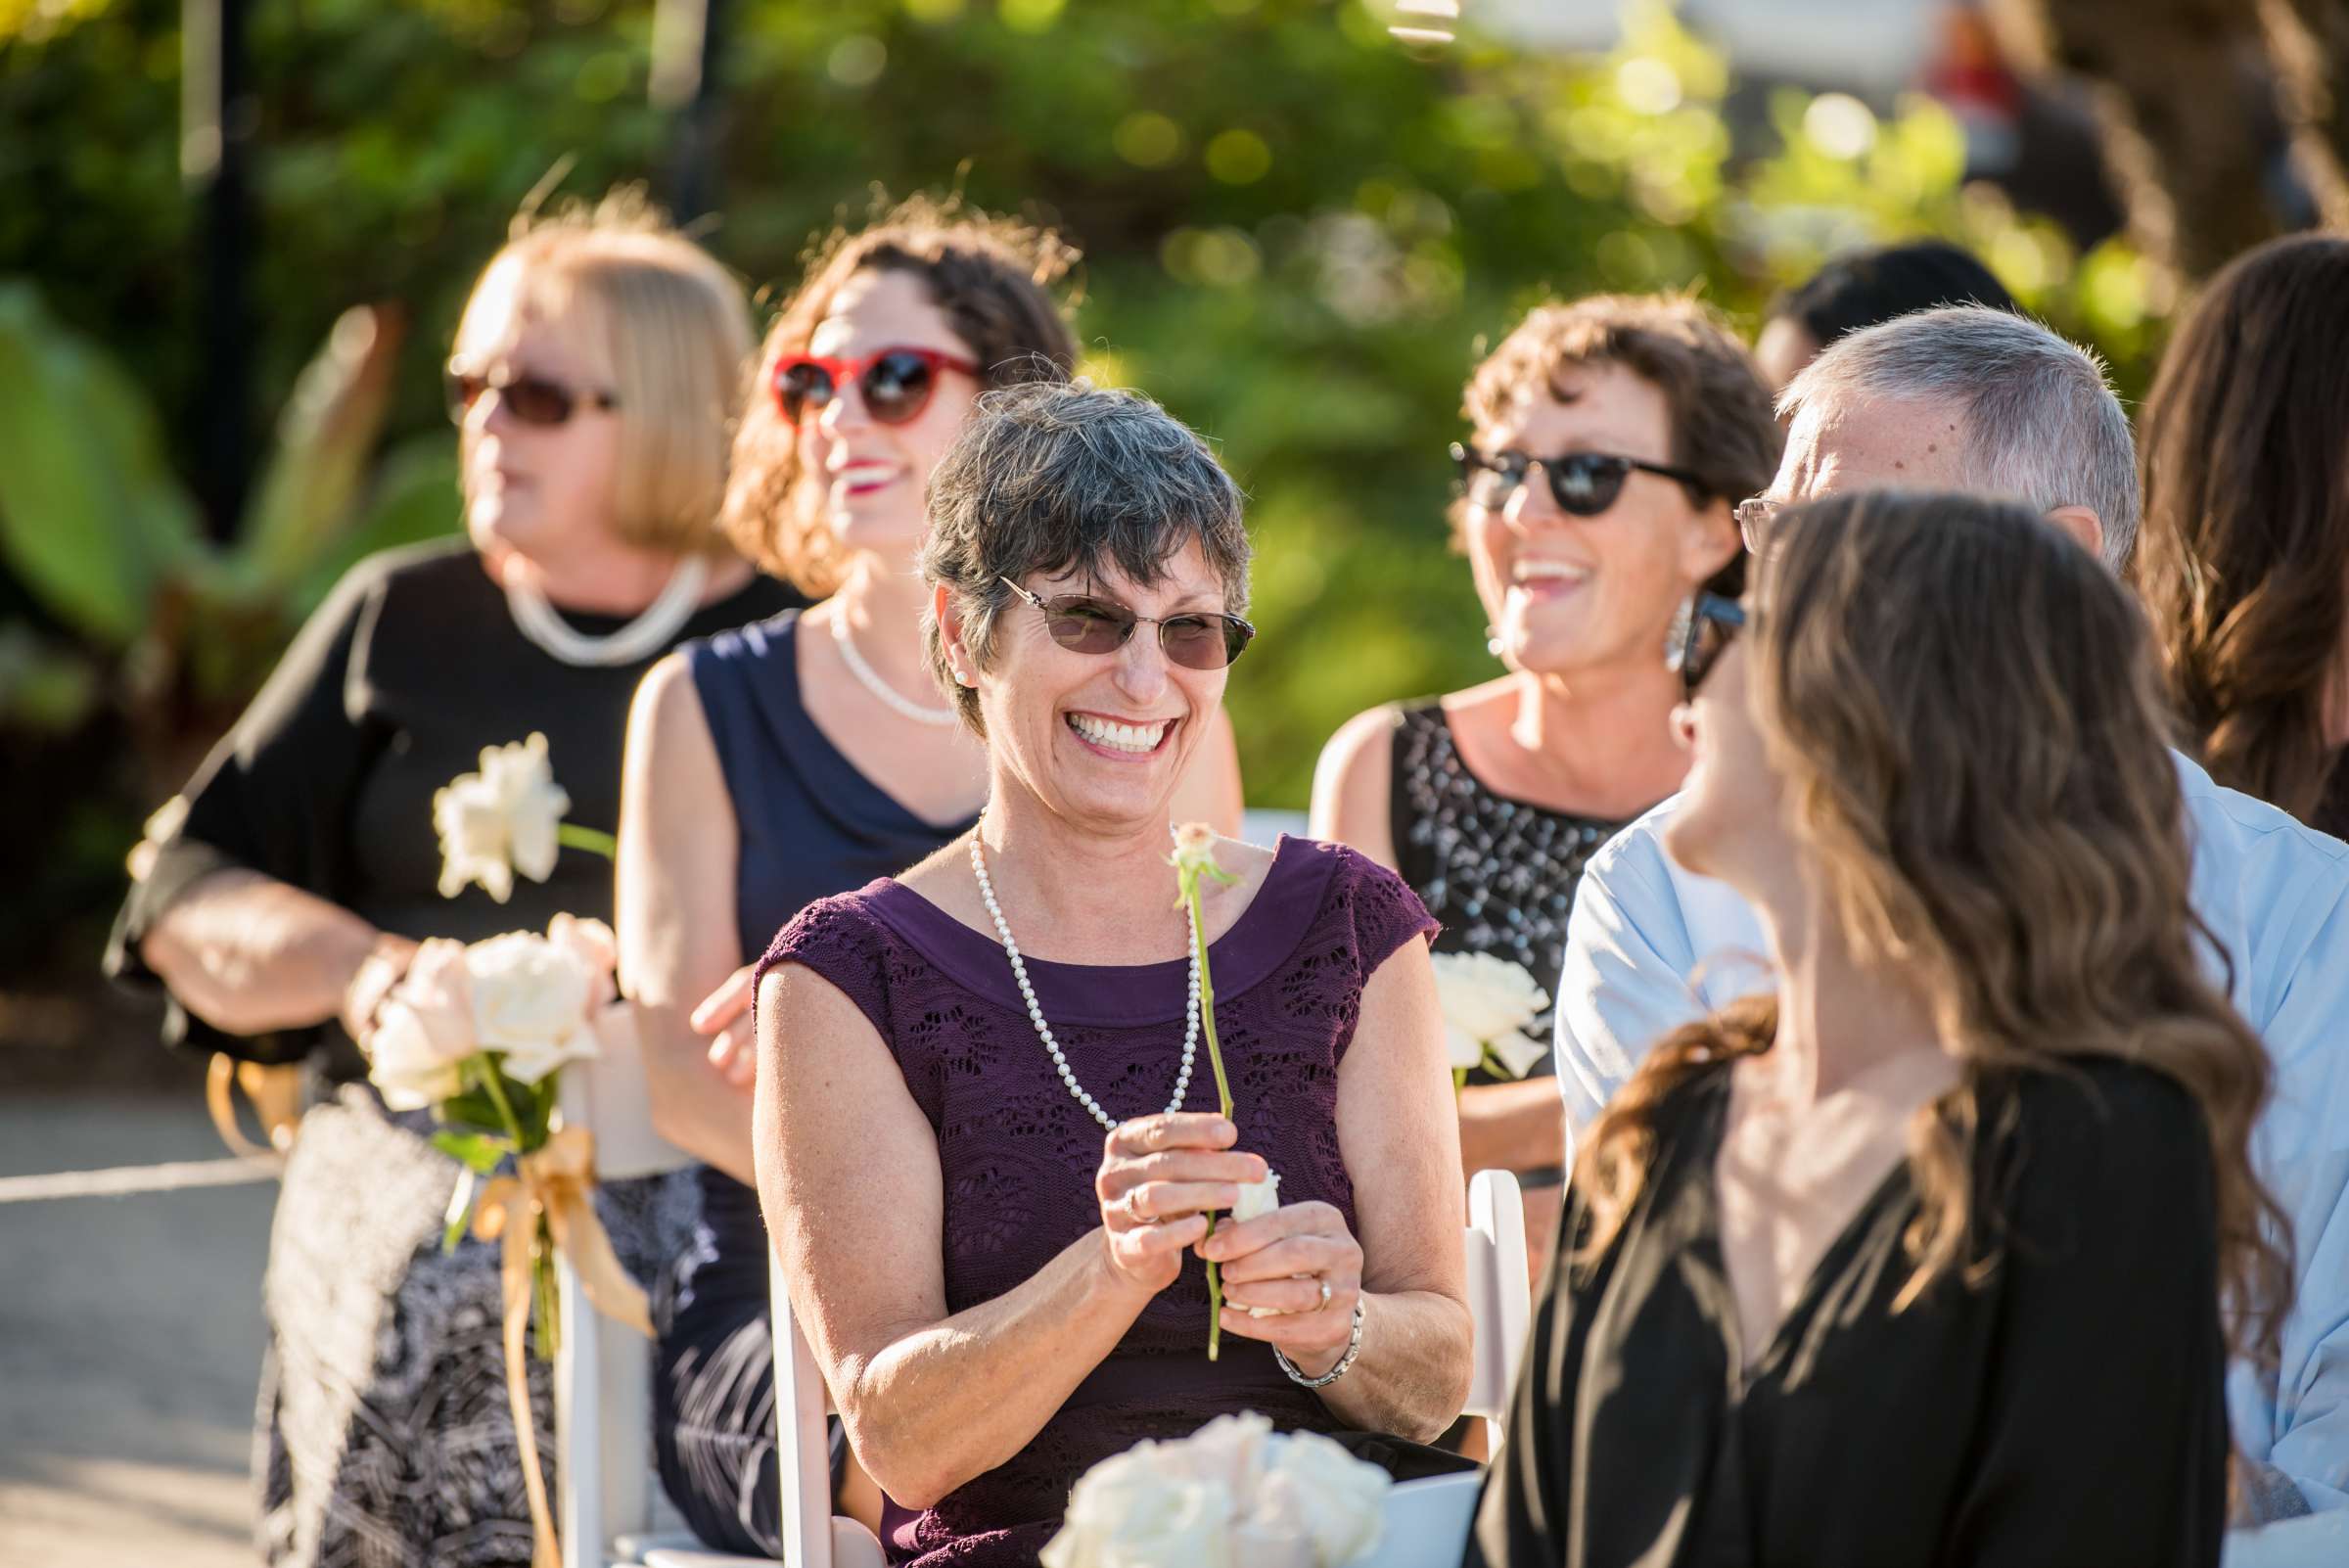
[(514, 1279), (580, 1237)]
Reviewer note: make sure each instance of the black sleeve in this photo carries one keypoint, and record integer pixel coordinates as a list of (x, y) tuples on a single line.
[(1522, 1516), (2104, 1427), (274, 796)]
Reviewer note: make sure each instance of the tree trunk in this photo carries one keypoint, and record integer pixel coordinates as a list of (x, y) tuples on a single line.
[(2309, 42), (2176, 85)]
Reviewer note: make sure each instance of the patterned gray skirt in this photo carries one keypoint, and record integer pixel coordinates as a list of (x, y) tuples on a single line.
[(383, 1438)]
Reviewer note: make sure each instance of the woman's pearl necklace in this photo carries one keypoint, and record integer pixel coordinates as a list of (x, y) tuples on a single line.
[(1044, 1030), (891, 698), (648, 634)]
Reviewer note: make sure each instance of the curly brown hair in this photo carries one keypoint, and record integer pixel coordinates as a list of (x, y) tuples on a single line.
[(1994, 811), (1724, 429), (992, 277), (2243, 561)]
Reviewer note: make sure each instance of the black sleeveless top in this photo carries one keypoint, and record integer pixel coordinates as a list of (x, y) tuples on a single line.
[(1499, 873)]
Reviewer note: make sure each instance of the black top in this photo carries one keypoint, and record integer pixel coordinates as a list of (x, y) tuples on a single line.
[(1499, 873), (2066, 1410), (394, 685)]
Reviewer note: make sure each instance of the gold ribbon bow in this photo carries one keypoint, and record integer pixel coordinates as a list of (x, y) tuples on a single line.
[(555, 1183)]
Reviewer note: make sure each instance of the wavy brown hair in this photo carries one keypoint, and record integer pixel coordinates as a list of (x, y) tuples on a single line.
[(992, 277), (1964, 709), (2244, 559)]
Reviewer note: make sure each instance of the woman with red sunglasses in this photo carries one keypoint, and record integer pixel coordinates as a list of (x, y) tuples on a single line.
[(811, 754), (592, 378), (1610, 437)]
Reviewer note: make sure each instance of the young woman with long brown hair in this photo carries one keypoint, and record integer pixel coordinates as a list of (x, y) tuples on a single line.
[(2244, 563), (1922, 1258)]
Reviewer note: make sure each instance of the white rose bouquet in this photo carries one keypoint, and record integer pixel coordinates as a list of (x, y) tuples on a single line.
[(1486, 1004), (1233, 1494), (478, 1034)]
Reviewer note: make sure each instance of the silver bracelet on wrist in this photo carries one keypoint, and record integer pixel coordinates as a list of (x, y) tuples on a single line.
[(1353, 1348)]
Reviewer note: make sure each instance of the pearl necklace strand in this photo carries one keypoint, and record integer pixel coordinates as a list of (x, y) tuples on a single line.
[(1044, 1030), (641, 638), (870, 678)]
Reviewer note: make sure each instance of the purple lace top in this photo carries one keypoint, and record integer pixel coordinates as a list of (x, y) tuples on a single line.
[(1018, 1153)]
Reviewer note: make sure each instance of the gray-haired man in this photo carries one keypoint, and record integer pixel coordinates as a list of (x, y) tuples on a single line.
[(1984, 401)]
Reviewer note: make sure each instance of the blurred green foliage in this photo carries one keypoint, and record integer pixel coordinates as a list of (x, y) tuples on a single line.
[(1298, 231)]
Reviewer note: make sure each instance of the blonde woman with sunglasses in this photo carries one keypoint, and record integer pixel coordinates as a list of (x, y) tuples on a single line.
[(593, 381)]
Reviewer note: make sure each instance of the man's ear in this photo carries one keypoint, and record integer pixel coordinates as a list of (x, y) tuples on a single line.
[(2083, 524)]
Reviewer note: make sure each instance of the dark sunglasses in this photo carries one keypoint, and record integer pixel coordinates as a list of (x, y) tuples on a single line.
[(896, 383), (1713, 623), (532, 399), (1084, 624), (1583, 483)]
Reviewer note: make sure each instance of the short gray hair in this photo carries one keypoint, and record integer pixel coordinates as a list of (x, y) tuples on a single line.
[(1056, 475), (2041, 424)]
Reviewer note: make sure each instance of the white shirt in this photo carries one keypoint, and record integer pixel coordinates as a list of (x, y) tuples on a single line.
[(1650, 946)]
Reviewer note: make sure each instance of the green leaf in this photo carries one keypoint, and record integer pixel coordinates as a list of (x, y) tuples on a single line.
[(90, 515), (309, 493), (478, 1152), (472, 1111)]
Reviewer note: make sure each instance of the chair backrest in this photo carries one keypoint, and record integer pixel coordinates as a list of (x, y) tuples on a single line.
[(1426, 1522), (605, 1489), (1500, 1295), (814, 1537)]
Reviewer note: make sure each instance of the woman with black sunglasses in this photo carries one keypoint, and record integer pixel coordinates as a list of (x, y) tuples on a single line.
[(1610, 438), (594, 372), (810, 754)]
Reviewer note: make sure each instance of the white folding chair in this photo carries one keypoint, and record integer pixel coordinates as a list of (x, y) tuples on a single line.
[(1427, 1522), (1499, 1296), (610, 1511), (813, 1536)]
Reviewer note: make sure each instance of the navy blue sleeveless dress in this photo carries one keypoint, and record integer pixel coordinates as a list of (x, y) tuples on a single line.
[(811, 826)]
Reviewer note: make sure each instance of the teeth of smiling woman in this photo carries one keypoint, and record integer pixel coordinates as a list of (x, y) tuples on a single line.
[(1118, 737), (1529, 570)]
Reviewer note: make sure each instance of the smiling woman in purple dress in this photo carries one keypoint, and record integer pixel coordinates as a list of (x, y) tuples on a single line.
[(984, 1139)]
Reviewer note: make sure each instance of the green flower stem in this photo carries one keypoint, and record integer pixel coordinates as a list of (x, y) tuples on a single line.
[(543, 1260), (1214, 1060), (588, 839)]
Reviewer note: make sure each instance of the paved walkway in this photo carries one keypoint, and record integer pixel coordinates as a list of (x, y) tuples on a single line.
[(130, 1345)]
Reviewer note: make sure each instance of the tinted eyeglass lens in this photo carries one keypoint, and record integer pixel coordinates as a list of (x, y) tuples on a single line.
[(1586, 484), (802, 387), (1492, 481), (897, 388), (537, 402), (1197, 642), (1088, 626), (1708, 637)]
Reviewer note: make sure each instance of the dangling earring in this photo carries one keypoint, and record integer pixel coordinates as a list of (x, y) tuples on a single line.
[(1493, 643)]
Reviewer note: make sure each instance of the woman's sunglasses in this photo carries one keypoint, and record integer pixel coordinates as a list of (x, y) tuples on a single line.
[(1084, 624), (1583, 483), (532, 399), (896, 383), (1713, 623)]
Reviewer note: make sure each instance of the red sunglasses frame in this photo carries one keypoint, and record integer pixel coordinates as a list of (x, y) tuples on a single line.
[(844, 371)]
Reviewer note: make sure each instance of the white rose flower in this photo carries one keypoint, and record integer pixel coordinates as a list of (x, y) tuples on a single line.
[(1137, 1509), (1340, 1501), (1257, 1197), (1229, 1450), (535, 998), (500, 820), (1487, 1003), (424, 1030)]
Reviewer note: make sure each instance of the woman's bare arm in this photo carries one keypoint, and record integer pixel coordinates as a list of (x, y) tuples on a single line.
[(248, 954), (849, 1179), (1350, 786), (675, 918)]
